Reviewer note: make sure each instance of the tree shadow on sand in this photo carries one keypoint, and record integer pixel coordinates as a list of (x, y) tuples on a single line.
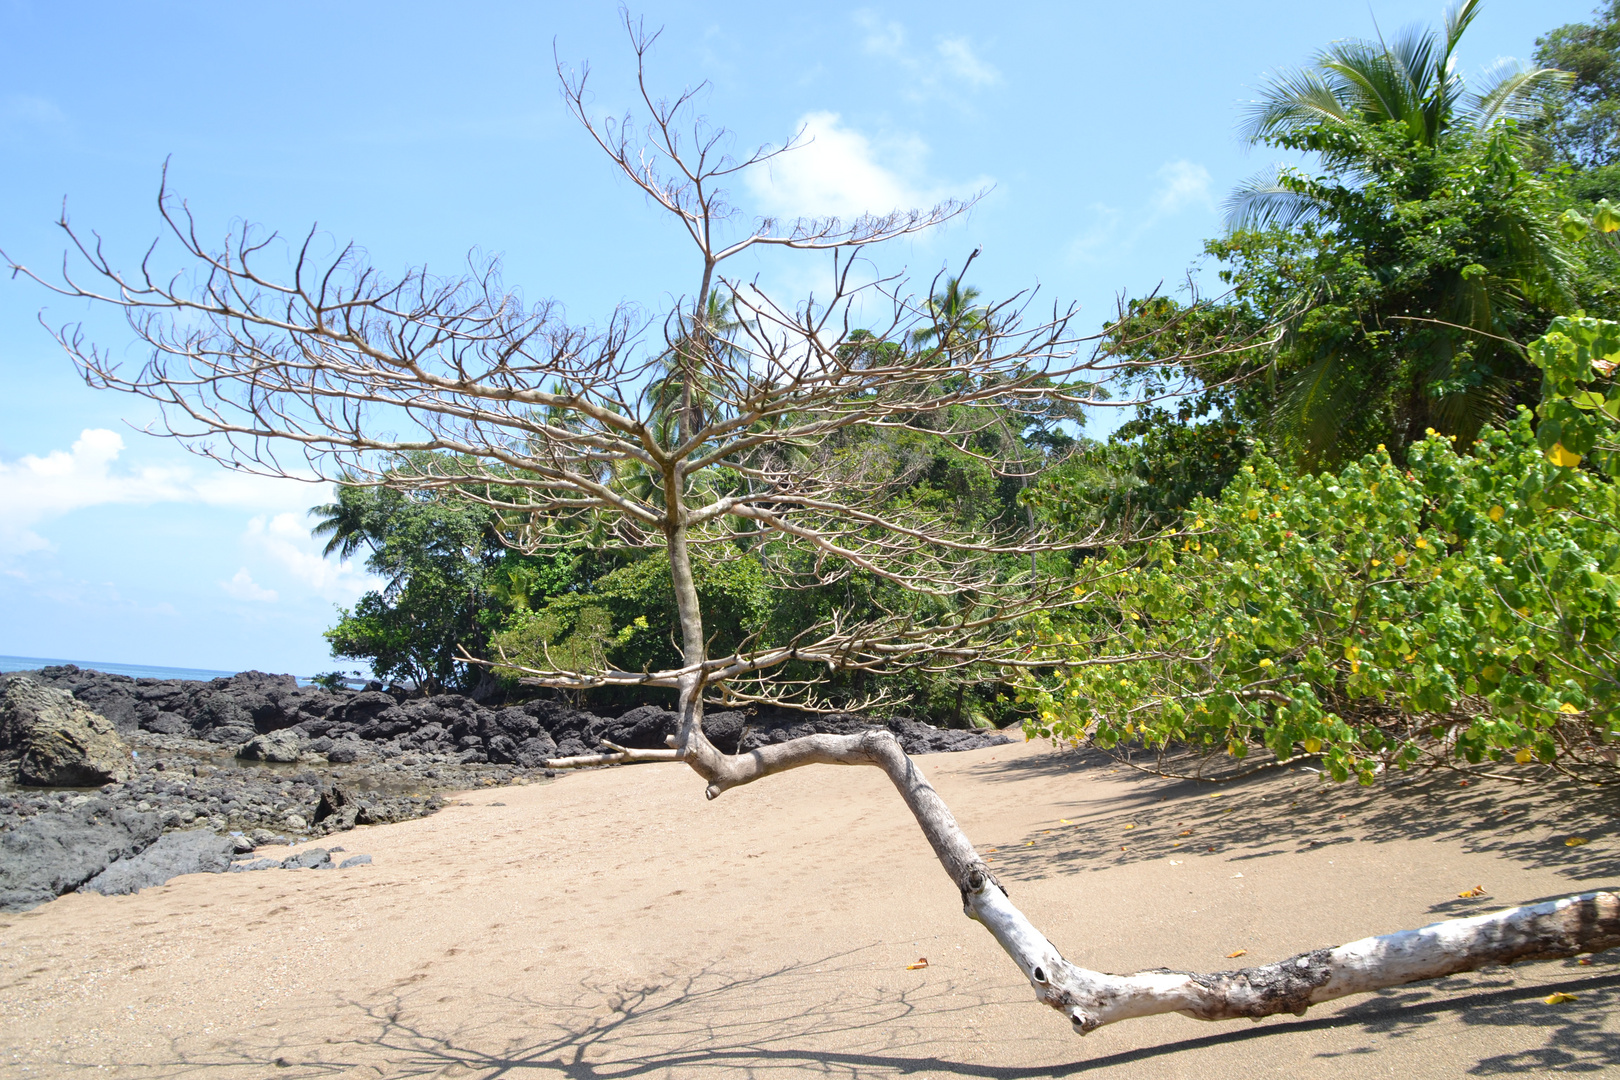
[(811, 1017), (1285, 811)]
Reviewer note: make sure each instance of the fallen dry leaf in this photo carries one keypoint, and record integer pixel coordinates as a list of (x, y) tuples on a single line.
[(922, 962), (1477, 890), (1559, 998), (1235, 955), (1576, 841), (1185, 832), (1064, 821), (1131, 826)]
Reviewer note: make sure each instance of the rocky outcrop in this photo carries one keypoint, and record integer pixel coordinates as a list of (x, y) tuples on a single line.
[(58, 740), (214, 759), (277, 746), (194, 851), (48, 854), (384, 724)]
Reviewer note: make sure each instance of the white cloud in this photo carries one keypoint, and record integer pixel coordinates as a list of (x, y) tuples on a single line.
[(839, 172), (285, 539), (35, 489), (31, 110), (932, 73), (885, 38), (1181, 186), (243, 587), (960, 58)]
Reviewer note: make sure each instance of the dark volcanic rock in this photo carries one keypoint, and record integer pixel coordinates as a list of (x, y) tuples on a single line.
[(388, 757), (53, 853), (313, 859), (166, 723), (195, 851)]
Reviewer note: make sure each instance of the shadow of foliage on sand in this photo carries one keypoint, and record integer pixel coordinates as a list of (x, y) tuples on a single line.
[(805, 1017), (1286, 811)]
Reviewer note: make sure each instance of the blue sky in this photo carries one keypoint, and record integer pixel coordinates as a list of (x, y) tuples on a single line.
[(1102, 131)]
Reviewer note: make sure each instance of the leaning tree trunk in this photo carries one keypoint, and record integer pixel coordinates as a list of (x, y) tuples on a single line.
[(1561, 928), (1090, 999)]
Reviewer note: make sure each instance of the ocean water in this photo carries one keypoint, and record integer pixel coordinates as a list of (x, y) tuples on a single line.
[(134, 671)]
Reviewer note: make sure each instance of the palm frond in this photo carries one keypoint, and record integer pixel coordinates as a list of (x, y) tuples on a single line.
[(1513, 91), (1262, 202), (1374, 79), (1312, 408), (1458, 18), (1293, 98)]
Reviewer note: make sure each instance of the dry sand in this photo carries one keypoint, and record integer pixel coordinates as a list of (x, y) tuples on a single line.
[(614, 924)]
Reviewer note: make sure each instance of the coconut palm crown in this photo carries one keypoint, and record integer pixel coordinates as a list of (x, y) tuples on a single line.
[(1411, 81)]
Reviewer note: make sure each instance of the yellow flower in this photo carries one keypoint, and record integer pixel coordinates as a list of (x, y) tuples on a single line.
[(1496, 560), (1254, 514), (1265, 663), (1377, 562), (1381, 448), (1567, 709), (1421, 543), (1496, 513), (1523, 756)]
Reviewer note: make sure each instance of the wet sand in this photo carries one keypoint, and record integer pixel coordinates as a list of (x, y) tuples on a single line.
[(615, 924)]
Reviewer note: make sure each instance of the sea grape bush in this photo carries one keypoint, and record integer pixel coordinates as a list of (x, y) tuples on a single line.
[(1465, 605), (1580, 408)]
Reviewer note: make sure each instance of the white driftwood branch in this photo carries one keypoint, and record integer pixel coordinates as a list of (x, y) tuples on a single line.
[(616, 755), (1561, 928), (1554, 930)]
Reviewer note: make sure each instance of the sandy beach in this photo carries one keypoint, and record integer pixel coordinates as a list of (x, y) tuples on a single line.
[(614, 924)]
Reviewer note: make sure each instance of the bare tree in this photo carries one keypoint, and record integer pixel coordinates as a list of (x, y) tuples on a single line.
[(333, 369)]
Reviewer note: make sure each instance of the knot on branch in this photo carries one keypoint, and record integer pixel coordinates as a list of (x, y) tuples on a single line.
[(974, 880), (1257, 992)]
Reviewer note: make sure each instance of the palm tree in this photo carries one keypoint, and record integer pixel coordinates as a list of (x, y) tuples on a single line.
[(1412, 82), (345, 523), (1384, 119), (957, 326), (684, 396)]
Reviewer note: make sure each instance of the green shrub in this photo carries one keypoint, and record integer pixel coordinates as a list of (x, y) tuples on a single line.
[(1465, 605)]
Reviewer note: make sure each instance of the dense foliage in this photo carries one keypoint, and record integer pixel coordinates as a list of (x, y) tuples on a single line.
[(1464, 605)]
